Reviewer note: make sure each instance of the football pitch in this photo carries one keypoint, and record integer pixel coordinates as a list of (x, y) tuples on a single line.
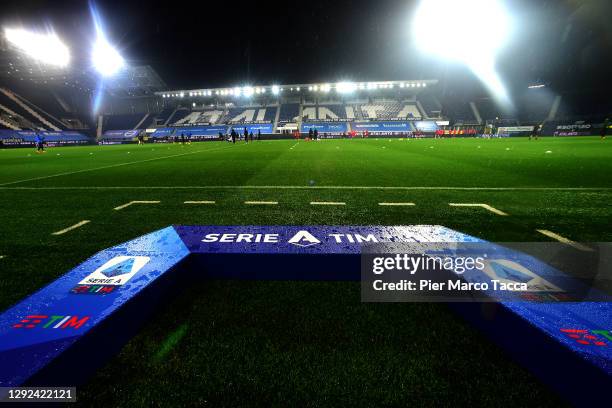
[(300, 343)]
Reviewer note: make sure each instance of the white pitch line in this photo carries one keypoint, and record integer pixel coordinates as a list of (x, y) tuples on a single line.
[(327, 203), (396, 204), (564, 240), (110, 166), (481, 205), (121, 207), (261, 202), (286, 187), (199, 202), (72, 227)]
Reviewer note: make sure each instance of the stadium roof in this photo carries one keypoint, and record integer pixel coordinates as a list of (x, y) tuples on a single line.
[(342, 88)]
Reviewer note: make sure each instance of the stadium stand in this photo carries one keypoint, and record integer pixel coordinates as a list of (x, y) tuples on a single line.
[(325, 112), (458, 110), (178, 114), (289, 112), (33, 113), (127, 121), (586, 107), (49, 104), (209, 116), (431, 105), (389, 111), (253, 114), (488, 110), (409, 109), (371, 111), (24, 117), (160, 118)]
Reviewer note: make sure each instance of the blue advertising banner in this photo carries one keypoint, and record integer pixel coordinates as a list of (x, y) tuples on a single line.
[(192, 131), (162, 132), (325, 127), (263, 128), (121, 134), (50, 136), (374, 127), (81, 310)]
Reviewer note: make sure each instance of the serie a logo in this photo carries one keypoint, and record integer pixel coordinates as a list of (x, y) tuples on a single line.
[(51, 322)]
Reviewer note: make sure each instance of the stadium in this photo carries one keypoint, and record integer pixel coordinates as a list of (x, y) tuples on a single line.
[(192, 205)]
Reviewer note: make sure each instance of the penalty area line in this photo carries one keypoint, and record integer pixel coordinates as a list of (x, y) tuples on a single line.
[(72, 227), (396, 204), (199, 202), (564, 240), (481, 205), (327, 203), (122, 206), (261, 202)]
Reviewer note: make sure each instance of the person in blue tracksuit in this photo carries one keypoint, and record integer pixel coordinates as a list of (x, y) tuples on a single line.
[(40, 143)]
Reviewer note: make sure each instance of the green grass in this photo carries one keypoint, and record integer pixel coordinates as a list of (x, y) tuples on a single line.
[(297, 343)]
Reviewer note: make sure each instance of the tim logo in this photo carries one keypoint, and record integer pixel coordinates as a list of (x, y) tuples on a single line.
[(303, 239), (51, 322), (93, 289), (116, 271), (599, 338)]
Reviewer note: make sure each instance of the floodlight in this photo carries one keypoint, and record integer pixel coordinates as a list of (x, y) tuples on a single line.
[(469, 45), (46, 48), (297, 89), (275, 89), (346, 87), (106, 59), (247, 91)]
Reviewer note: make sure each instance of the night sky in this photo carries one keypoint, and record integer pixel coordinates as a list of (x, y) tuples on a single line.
[(226, 43)]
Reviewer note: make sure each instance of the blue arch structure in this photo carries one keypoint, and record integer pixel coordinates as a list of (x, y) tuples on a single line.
[(64, 331)]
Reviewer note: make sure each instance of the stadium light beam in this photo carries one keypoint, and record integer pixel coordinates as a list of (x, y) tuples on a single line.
[(469, 43), (46, 48), (275, 89), (104, 57)]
